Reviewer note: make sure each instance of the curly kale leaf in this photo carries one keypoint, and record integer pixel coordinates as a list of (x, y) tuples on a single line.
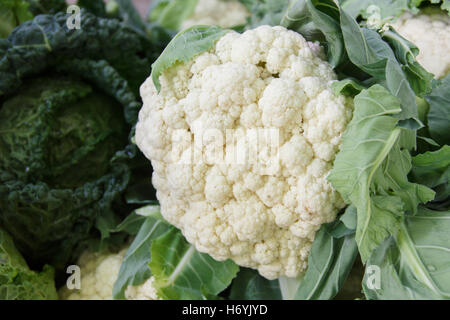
[(17, 281), (46, 42)]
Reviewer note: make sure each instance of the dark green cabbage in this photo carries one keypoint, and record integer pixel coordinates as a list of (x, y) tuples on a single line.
[(68, 105)]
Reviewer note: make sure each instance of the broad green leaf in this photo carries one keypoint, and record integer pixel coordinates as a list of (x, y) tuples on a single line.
[(367, 50), (186, 45), (381, 279), (134, 269), (316, 20), (329, 264), (432, 168), (418, 78), (131, 224), (249, 285), (350, 218), (328, 24), (371, 169), (350, 87), (415, 264), (439, 113), (182, 273)]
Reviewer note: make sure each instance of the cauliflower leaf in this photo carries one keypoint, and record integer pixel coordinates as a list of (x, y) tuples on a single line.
[(183, 273), (376, 181), (413, 264)]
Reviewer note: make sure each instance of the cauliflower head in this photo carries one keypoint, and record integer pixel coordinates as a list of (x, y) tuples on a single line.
[(430, 32), (263, 212), (223, 13), (98, 273)]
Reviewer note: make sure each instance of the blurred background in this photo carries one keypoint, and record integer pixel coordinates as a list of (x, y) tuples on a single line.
[(141, 5)]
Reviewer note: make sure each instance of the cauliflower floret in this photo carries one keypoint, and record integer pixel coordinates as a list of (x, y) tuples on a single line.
[(222, 13), (430, 32), (98, 274), (264, 128)]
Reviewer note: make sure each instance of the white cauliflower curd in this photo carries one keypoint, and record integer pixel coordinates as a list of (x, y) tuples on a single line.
[(98, 273), (222, 13), (430, 32), (262, 213)]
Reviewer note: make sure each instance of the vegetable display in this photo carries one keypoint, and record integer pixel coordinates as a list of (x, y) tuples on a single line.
[(225, 150)]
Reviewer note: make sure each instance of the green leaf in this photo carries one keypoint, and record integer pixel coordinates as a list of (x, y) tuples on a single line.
[(367, 50), (329, 264), (17, 281), (418, 78), (134, 269), (415, 264), (371, 169), (182, 273), (186, 45), (439, 113), (349, 218), (171, 14), (328, 24), (12, 14), (131, 225), (446, 5), (249, 285), (350, 87), (316, 20), (432, 168)]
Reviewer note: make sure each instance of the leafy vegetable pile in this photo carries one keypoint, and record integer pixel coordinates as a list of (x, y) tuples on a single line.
[(69, 103), (72, 177)]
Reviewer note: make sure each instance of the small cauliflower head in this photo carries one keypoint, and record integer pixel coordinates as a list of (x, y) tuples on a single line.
[(430, 32), (98, 274), (241, 140), (222, 13)]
